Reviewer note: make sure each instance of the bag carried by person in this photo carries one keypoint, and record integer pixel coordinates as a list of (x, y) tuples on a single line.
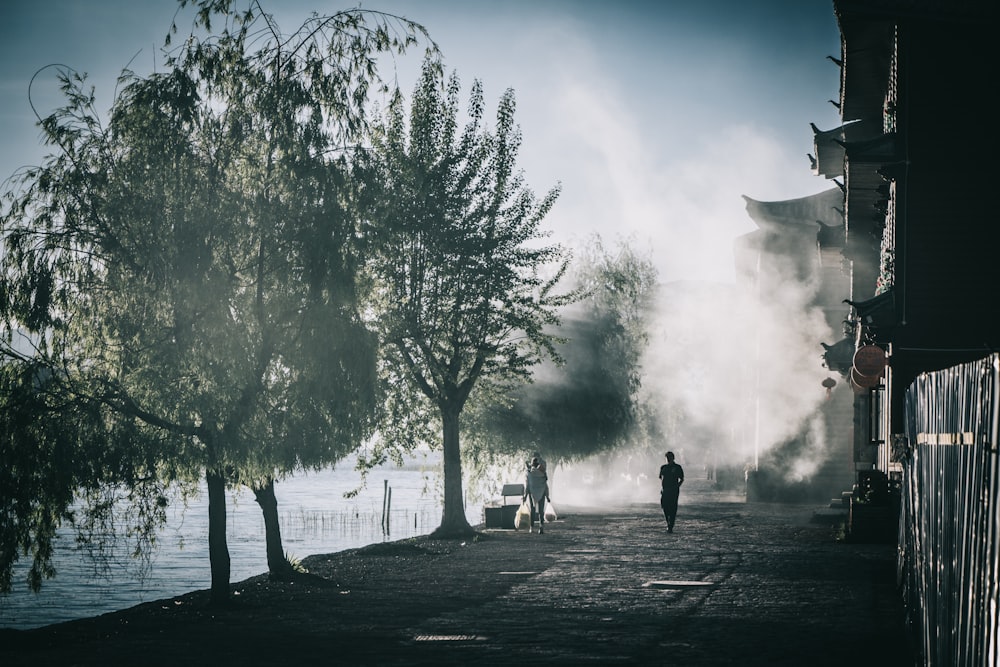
[(550, 512), (523, 517)]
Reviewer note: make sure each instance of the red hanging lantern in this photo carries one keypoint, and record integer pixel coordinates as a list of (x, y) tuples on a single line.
[(829, 383)]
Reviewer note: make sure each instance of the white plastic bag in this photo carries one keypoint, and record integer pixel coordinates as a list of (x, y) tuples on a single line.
[(550, 512), (523, 517)]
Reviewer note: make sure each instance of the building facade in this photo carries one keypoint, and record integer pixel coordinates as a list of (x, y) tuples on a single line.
[(920, 244)]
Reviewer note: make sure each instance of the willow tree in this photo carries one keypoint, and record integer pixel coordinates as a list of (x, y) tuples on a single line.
[(57, 448), (462, 291), (591, 403), (196, 258)]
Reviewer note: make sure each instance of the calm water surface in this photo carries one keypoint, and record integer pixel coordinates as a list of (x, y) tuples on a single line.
[(315, 518)]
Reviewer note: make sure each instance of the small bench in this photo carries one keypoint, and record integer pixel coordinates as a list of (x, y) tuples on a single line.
[(503, 516)]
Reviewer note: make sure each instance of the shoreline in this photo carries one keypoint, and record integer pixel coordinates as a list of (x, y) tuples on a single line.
[(592, 588), (314, 519)]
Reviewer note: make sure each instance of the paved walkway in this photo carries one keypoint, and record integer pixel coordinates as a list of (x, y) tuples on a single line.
[(735, 584)]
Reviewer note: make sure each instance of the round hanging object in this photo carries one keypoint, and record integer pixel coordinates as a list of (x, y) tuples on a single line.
[(870, 361), (865, 381)]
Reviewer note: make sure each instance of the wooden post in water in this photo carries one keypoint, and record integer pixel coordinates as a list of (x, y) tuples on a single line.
[(385, 497), (388, 511)]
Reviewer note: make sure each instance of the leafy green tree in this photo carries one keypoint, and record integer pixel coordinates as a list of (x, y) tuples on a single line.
[(195, 261), (461, 295), (57, 448), (592, 402)]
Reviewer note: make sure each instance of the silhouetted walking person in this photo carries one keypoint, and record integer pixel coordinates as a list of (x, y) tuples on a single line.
[(671, 478)]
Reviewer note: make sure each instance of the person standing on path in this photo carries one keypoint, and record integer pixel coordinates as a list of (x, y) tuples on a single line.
[(536, 490), (671, 478), (536, 460)]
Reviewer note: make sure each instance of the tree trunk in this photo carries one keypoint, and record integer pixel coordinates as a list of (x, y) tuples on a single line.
[(278, 567), (218, 549), (453, 521)]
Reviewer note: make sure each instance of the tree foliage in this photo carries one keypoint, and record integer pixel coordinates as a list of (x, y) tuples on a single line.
[(461, 293), (189, 269), (56, 448), (591, 402)]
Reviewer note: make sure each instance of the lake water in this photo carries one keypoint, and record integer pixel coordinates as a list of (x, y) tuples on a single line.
[(315, 518)]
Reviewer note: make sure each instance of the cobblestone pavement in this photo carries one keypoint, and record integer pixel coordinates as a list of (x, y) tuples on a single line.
[(736, 584)]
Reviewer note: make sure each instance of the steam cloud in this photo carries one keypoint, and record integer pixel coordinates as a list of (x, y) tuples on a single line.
[(733, 367)]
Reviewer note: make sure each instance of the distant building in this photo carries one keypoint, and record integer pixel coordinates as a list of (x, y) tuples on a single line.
[(798, 243)]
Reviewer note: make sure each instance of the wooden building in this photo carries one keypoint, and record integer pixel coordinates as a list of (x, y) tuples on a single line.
[(906, 239), (921, 232), (799, 241)]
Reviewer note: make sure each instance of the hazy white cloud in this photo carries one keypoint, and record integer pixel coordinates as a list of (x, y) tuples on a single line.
[(744, 368), (687, 206)]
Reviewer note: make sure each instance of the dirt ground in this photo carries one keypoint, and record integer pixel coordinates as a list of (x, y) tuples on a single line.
[(736, 584)]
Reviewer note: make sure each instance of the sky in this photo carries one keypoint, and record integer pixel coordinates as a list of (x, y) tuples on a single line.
[(654, 117)]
